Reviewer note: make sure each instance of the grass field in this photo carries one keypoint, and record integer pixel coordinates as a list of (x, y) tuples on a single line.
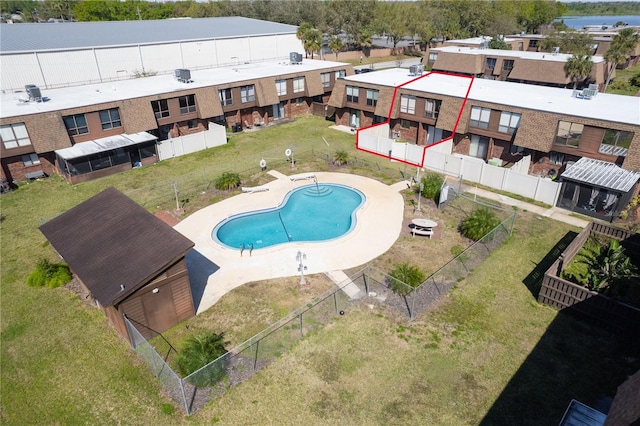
[(624, 76), (490, 350)]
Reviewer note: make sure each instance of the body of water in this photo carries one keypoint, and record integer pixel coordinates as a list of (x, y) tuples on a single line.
[(578, 22), (309, 213)]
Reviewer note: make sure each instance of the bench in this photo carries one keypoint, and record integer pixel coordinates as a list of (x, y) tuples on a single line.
[(422, 231)]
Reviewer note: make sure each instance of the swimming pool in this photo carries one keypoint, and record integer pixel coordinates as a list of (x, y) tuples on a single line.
[(316, 212)]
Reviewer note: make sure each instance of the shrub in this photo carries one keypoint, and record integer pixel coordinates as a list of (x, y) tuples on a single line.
[(49, 274), (341, 158), (431, 185), (635, 80), (227, 181), (199, 351), (407, 277), (479, 224), (621, 85)]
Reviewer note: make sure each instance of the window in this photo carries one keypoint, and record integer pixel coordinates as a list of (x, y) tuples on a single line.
[(432, 108), (247, 93), (14, 135), (281, 87), (299, 101), (340, 74), (520, 46), (480, 117), (379, 119), (433, 57), (408, 104), (30, 159), (479, 146), (556, 158), (569, 133), (298, 84), (76, 124), (372, 97), (352, 94), (225, 97), (507, 65), (491, 63), (509, 122), (533, 43), (110, 119), (405, 124), (326, 79), (187, 104), (516, 150), (160, 108), (616, 142), (192, 124)]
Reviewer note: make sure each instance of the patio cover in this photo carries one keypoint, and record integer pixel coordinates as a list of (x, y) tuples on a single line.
[(84, 149), (602, 174)]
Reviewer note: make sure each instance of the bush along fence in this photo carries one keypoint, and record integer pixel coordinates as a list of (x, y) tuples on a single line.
[(240, 363), (380, 287), (375, 287), (562, 294)]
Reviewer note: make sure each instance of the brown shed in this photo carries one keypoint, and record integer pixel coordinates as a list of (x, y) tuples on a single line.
[(130, 262)]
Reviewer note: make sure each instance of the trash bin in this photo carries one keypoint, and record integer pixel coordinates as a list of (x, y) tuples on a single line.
[(237, 127)]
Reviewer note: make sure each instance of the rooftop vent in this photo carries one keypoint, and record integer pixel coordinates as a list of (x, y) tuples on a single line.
[(295, 58), (183, 75)]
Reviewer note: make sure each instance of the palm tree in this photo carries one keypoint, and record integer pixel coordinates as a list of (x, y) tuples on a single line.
[(313, 42), (199, 351), (336, 44), (625, 41), (302, 34), (578, 67)]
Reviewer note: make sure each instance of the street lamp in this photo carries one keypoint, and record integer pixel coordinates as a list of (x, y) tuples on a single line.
[(300, 257)]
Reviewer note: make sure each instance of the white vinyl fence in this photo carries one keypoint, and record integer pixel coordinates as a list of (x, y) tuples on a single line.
[(181, 145), (438, 158)]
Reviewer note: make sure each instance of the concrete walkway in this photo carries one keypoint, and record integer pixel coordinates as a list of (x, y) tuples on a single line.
[(348, 286), (556, 213)]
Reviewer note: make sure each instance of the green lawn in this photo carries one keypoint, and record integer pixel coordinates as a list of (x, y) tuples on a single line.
[(489, 350), (622, 78)]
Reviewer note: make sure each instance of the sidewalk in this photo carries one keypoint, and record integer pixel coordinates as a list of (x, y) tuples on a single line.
[(554, 212)]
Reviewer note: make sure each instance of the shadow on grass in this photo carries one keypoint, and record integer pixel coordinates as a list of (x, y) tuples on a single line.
[(574, 359), (199, 268), (533, 281)]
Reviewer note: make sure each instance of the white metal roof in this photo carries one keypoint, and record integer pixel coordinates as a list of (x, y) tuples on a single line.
[(104, 144), (538, 56), (614, 108), (601, 173), (37, 37), (12, 104)]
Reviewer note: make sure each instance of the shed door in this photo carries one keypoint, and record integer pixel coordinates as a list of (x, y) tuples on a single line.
[(159, 309)]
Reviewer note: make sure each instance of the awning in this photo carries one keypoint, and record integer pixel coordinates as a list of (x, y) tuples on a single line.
[(602, 174), (85, 149)]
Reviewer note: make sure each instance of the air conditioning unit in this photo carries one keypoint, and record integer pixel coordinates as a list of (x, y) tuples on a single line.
[(295, 58), (34, 92), (183, 75), (416, 69)]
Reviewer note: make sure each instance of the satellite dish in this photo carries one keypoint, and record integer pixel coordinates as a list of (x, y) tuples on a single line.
[(263, 163), (287, 152)]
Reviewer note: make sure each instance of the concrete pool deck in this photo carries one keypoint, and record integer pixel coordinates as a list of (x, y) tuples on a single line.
[(378, 226)]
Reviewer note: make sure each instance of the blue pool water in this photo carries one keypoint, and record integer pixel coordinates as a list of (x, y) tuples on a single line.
[(309, 213)]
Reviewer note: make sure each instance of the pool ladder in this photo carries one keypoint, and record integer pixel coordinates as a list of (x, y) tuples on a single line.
[(242, 248)]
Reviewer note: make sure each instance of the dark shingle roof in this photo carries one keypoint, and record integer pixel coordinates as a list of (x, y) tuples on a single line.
[(35, 37), (109, 241)]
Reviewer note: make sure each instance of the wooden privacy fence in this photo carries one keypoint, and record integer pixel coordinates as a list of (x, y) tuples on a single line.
[(562, 294)]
